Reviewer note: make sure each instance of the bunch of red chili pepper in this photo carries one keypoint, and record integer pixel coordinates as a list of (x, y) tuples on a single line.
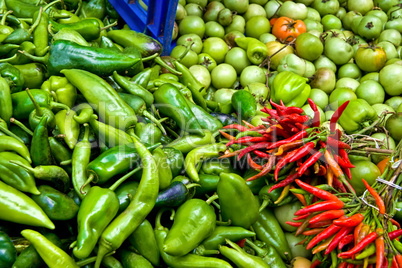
[(290, 138), (352, 239)]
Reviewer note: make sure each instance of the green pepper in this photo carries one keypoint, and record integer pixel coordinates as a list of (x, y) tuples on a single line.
[(57, 205), (13, 76), (268, 230), (68, 126), (5, 30), (129, 38), (50, 253), (124, 193), (165, 173), (102, 97), (240, 257), (208, 183), (6, 105), (89, 28), (233, 233), (143, 239), (66, 93), (357, 115), (175, 160), (33, 74), (7, 48), (70, 35), (20, 208), (23, 105), (244, 104), (134, 89), (109, 135), (194, 221), (41, 34), (291, 88), (17, 133), (30, 257), (186, 261), (142, 78), (80, 159), (38, 113), (256, 51), (21, 9), (85, 113), (215, 166), (11, 144), (188, 142), (8, 252), (59, 151), (268, 198), (148, 133), (16, 58), (106, 42), (268, 254), (131, 259), (140, 206), (169, 101), (41, 153), (16, 176), (237, 202), (93, 8)]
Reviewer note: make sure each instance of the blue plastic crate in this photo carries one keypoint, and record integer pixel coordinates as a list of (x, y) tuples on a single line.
[(156, 19)]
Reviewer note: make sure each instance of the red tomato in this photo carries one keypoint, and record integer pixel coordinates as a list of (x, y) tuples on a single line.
[(286, 29)]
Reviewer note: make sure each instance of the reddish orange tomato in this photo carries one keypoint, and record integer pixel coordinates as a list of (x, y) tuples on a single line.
[(272, 21), (287, 29)]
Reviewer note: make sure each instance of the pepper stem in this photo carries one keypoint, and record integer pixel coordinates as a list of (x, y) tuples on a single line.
[(104, 249), (124, 178), (27, 168), (66, 162), (260, 252), (43, 59), (9, 59), (91, 259), (50, 4), (154, 120), (150, 57), (109, 26), (88, 181), (21, 125), (38, 109), (158, 225), (4, 18), (36, 22), (192, 185), (59, 106), (264, 204), (9, 133), (162, 63), (211, 199)]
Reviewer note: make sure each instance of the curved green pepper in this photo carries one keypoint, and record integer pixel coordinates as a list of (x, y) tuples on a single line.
[(268, 254), (165, 173), (80, 159), (109, 135), (233, 233), (8, 143), (6, 105), (41, 153), (357, 115), (57, 205), (66, 93), (188, 142), (68, 126), (239, 257), (8, 253), (194, 221), (215, 166), (205, 120), (237, 202), (134, 88), (89, 28), (291, 88), (131, 259), (70, 35), (143, 239), (19, 208)]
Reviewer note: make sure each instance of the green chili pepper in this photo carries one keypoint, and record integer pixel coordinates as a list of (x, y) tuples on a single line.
[(106, 42), (19, 208), (142, 78), (57, 205), (241, 258), (29, 257), (165, 173), (143, 239), (8, 143), (49, 252), (189, 142), (59, 151), (85, 113), (41, 34), (244, 104), (13, 76), (148, 133), (109, 135), (257, 51), (175, 160), (102, 97), (70, 35), (7, 48), (140, 206), (23, 105), (268, 254), (8, 251), (93, 8), (111, 262), (134, 89), (242, 210), (208, 184), (357, 115), (129, 38), (68, 126), (21, 9), (185, 91), (125, 193), (205, 120), (16, 58), (269, 231), (5, 30), (66, 93), (131, 260), (195, 155), (33, 74), (89, 28), (21, 35), (38, 113), (6, 105), (14, 175), (233, 233), (17, 133), (187, 261), (215, 166), (41, 153)]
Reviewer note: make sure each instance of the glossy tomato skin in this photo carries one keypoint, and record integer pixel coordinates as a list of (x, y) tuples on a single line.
[(287, 29)]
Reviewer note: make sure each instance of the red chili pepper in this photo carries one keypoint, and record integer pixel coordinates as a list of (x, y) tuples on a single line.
[(399, 259), (322, 194), (236, 126), (321, 170), (268, 120), (350, 265), (309, 162), (328, 215), (300, 135), (296, 118), (394, 262), (301, 217), (251, 148), (289, 179), (380, 250), (288, 146), (360, 246), (314, 231), (316, 118), (300, 126), (394, 222), (336, 115), (348, 173), (315, 263), (377, 197), (226, 135), (261, 154), (320, 224), (265, 170), (241, 243), (303, 151), (395, 234), (343, 265), (345, 241), (303, 226), (283, 162), (253, 164), (321, 206), (248, 124), (351, 221), (332, 164), (342, 163), (337, 239), (300, 197), (337, 144), (294, 224), (339, 186), (328, 232), (247, 139)]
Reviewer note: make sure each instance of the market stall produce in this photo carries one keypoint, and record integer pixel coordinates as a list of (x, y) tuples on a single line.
[(267, 135)]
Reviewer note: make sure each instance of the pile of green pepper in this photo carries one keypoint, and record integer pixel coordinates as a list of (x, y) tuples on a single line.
[(100, 137)]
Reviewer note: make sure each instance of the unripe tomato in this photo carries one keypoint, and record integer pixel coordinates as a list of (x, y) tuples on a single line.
[(370, 58), (275, 46), (308, 46)]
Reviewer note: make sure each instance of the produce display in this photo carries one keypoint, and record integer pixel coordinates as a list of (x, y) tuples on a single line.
[(270, 136)]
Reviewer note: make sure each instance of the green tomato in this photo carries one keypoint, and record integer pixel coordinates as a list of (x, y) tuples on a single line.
[(192, 24), (223, 76), (394, 126), (324, 79), (370, 58), (202, 3), (370, 76), (325, 7), (388, 142), (256, 26), (371, 91), (370, 27), (251, 74), (180, 12), (361, 6), (239, 6), (394, 102), (308, 46), (267, 37), (207, 61), (337, 50), (390, 50), (286, 213), (350, 70), (399, 110), (363, 170), (237, 57), (330, 22), (189, 39), (391, 79), (385, 4), (225, 17), (202, 74), (348, 19), (297, 250), (212, 10), (216, 48), (259, 91), (325, 62), (308, 111), (231, 37), (347, 82), (328, 115), (296, 11), (313, 14), (193, 9), (271, 8), (319, 97), (188, 60), (378, 13), (339, 96), (253, 11), (313, 25), (395, 24), (224, 95), (214, 29)]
